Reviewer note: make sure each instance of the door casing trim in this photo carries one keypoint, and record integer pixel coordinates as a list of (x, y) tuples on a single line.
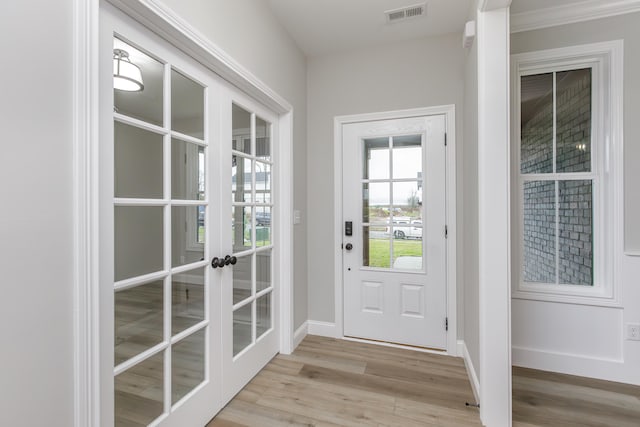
[(449, 111), (86, 304)]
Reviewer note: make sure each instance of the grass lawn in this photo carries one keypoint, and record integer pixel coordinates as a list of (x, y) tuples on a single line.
[(380, 253)]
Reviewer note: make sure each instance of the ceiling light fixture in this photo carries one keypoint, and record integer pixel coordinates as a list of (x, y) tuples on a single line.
[(126, 75)]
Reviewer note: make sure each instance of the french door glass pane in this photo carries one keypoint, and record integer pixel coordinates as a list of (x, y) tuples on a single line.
[(145, 105), (407, 201), (242, 276), (263, 270), (139, 393), (263, 182), (263, 314), (263, 226), (187, 105), (376, 158), (573, 120), (184, 236), (138, 162), (241, 129), (539, 231), (187, 171), (138, 320), (187, 299), (407, 157), (241, 228), (263, 139), (376, 202), (576, 232), (187, 364), (242, 325), (138, 240), (536, 123), (241, 179), (376, 247), (407, 248)]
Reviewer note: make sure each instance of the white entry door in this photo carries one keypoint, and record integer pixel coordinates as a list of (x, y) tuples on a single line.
[(187, 301), (394, 241)]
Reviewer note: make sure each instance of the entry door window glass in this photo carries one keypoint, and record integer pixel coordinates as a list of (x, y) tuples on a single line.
[(392, 208)]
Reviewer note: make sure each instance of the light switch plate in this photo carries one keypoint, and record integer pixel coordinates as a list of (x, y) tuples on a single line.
[(633, 331)]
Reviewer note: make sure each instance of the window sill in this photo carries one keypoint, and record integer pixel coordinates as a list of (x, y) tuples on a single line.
[(566, 295)]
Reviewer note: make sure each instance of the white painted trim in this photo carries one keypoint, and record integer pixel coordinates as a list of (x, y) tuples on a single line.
[(488, 5), (607, 369), (571, 13), (324, 329), (400, 346), (632, 253), (494, 217), (449, 112), (300, 334), (86, 303), (471, 370)]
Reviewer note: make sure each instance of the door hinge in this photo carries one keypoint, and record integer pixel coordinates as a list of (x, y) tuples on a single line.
[(445, 139), (446, 232), (446, 323)]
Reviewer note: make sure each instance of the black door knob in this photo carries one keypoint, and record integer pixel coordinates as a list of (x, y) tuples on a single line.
[(217, 262), (348, 246), (233, 260), (227, 260)]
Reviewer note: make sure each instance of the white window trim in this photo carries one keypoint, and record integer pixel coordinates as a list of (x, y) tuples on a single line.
[(606, 60)]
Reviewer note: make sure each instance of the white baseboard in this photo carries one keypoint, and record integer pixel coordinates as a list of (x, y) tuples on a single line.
[(323, 329), (300, 333), (471, 370), (572, 364)]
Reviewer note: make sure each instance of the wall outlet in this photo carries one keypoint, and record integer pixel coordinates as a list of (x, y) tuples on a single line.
[(633, 331)]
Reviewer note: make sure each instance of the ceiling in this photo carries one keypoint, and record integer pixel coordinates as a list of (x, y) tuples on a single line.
[(324, 26)]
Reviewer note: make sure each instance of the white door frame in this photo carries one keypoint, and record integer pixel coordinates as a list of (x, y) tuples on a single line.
[(86, 213), (450, 117)]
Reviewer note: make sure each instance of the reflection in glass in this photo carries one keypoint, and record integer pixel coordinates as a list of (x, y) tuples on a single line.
[(138, 241), (145, 105), (242, 273), (187, 171), (263, 225), (575, 232), (242, 320), (376, 158), (539, 232), (375, 202), (573, 121), (241, 228), (241, 179), (138, 162), (184, 237), (187, 105), (407, 157), (376, 247), (140, 386), (263, 270), (263, 314), (187, 300), (263, 182), (536, 123), (187, 365), (407, 200), (241, 129), (263, 139), (407, 247), (138, 320)]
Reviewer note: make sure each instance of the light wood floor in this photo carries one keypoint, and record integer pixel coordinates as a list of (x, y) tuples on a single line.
[(328, 382), (549, 399)]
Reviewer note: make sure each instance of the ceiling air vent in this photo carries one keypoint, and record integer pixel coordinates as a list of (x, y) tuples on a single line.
[(407, 12)]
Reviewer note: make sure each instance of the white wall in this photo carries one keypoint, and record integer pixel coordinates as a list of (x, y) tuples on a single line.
[(470, 280), (417, 73), (36, 360), (249, 33), (587, 340)]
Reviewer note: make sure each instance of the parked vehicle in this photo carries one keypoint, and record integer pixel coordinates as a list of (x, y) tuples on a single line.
[(406, 228)]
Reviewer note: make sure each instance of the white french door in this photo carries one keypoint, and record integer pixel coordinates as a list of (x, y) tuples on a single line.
[(394, 212), (185, 180)]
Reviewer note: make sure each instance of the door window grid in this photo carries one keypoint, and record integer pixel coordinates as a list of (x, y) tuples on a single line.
[(399, 222), (252, 217), (165, 276)]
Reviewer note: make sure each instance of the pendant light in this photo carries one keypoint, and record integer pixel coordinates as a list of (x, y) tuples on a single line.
[(126, 76)]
